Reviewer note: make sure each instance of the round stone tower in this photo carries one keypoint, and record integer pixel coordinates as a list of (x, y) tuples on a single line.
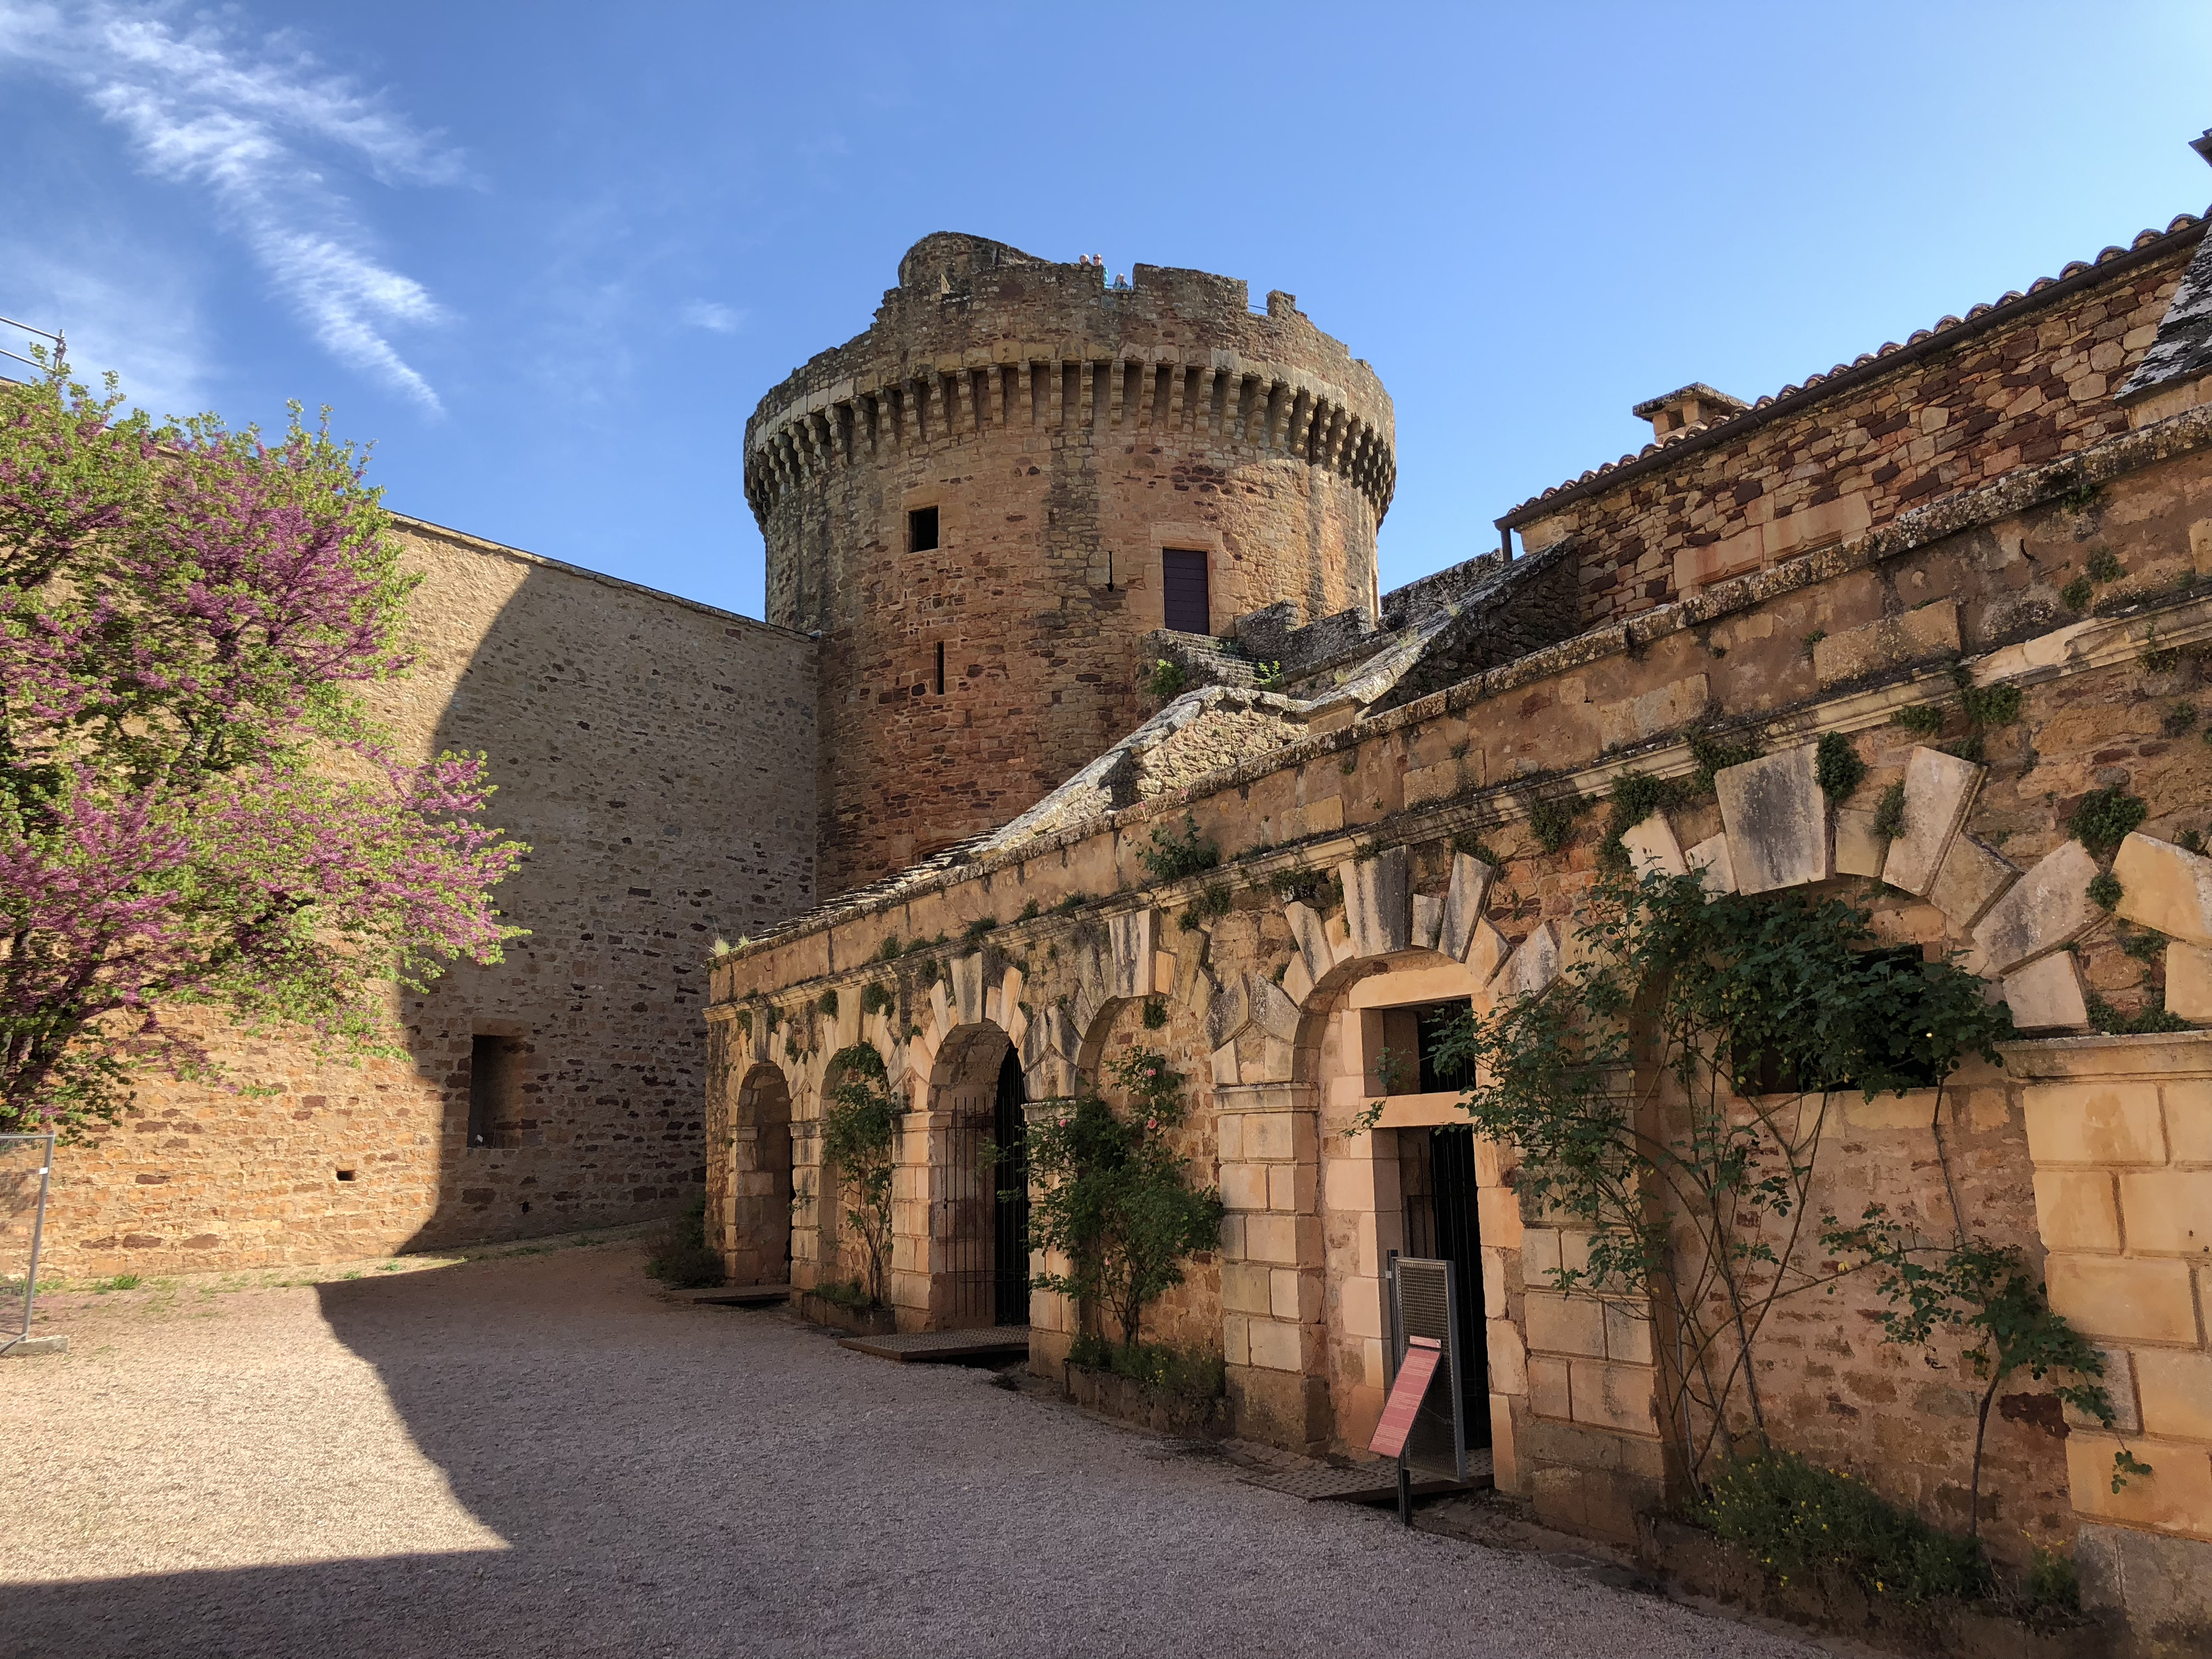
[(985, 502)]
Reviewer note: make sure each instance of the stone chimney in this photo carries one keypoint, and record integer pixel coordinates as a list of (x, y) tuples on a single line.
[(1693, 403)]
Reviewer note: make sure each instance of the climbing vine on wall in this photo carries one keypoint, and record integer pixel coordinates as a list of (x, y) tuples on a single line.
[(1669, 1090), (859, 1136), (1114, 1199)]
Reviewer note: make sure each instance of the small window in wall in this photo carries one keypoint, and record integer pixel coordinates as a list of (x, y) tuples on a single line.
[(921, 530), (1411, 1038), (1189, 608), (491, 1079)]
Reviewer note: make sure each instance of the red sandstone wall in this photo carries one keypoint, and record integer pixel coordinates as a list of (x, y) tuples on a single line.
[(2008, 394), (1067, 433)]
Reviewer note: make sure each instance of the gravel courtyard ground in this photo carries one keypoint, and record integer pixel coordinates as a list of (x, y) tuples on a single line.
[(533, 1455)]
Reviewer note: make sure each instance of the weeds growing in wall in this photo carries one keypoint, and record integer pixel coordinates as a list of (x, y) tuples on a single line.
[(1175, 855)]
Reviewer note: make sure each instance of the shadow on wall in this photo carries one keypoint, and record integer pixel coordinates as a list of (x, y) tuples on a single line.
[(644, 748)]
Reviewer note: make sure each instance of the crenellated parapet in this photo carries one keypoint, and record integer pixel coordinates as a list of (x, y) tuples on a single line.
[(980, 505)]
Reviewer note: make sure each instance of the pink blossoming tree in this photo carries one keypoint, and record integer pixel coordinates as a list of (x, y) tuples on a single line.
[(195, 806)]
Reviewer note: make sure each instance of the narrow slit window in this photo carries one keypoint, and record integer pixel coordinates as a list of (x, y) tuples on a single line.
[(921, 530), (1189, 607), (490, 1063), (940, 668)]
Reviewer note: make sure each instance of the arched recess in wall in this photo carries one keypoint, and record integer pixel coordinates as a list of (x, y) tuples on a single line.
[(761, 1178), (978, 1273)]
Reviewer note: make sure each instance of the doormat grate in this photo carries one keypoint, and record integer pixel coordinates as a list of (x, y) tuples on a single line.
[(1370, 1483), (924, 1347)]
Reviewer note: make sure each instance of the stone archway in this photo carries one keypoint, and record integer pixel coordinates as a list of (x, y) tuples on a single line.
[(759, 1251)]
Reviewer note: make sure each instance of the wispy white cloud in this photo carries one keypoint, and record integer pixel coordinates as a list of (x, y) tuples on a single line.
[(248, 121), (713, 316)]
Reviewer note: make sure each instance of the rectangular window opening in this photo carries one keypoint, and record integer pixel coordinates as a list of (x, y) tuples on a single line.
[(491, 1069), (1411, 1036), (1188, 606), (921, 530), (940, 668)]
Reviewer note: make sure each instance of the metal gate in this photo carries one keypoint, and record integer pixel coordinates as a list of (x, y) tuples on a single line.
[(987, 1209), (1435, 1175)]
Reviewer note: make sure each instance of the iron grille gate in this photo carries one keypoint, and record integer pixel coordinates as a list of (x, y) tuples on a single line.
[(1436, 1173), (986, 1190)]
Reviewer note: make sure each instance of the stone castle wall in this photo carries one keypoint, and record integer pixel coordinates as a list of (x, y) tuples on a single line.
[(2017, 383), (655, 754), (1067, 433), (1276, 1008)]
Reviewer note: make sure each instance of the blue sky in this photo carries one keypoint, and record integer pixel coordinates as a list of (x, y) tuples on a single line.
[(548, 256)]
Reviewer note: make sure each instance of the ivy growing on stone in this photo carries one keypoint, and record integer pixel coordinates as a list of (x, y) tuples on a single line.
[(1670, 1092), (1837, 766), (1553, 822), (859, 1136), (2105, 817)]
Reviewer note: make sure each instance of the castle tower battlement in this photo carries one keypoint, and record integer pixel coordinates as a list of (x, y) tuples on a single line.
[(980, 502)]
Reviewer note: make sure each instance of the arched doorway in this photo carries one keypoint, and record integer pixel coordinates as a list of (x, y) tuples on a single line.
[(760, 1183), (980, 1225)]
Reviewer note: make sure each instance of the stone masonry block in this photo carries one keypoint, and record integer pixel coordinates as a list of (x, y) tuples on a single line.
[(1714, 866), (1549, 1392), (1130, 937), (2168, 1212), (2175, 1496), (1228, 1012), (2045, 910), (1666, 708), (1272, 1239), (1246, 1287), (2156, 1580), (1276, 1346), (1278, 1137), (1939, 789), (1360, 1306), (1565, 1324), (1378, 900), (1860, 848), (1273, 1011), (2189, 981), (2176, 1392), (1486, 952), (2047, 995), (2124, 1300), (1508, 1357), (1463, 904), (1428, 921), (1312, 940), (1290, 1187), (1912, 637), (2164, 887), (1244, 1186), (1618, 1397), (1296, 1296), (2094, 1123), (2119, 1385), (1651, 845), (1497, 1212), (2077, 1210), (1968, 882), (2189, 1121), (1627, 1334), (1776, 822), (1533, 964)]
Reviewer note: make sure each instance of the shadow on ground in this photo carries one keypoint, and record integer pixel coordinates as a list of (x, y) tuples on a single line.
[(679, 1480)]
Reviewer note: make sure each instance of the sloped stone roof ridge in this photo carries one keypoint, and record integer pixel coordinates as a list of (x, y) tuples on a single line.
[(1990, 313), (1440, 609)]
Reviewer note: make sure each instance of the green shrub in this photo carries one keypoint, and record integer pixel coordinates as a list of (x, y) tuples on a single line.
[(1926, 720), (2104, 567), (1211, 905), (1156, 1012), (889, 950), (2052, 1583), (680, 1255), (1166, 681), (2076, 594), (1836, 764), (973, 931), (1798, 1517), (1171, 857), (1635, 797), (1192, 1373), (1317, 889), (1713, 756), (1466, 841), (860, 1135), (827, 1004), (1553, 822), (878, 1000), (1889, 815), (1991, 705), (2104, 818)]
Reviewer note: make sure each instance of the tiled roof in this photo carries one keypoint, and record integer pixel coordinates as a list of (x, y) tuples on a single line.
[(1992, 313)]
